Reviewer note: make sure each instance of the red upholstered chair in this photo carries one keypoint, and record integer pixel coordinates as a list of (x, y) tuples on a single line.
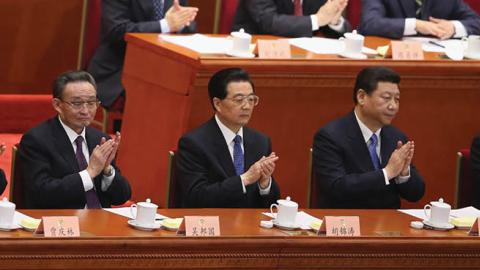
[(312, 193), (16, 182), (172, 197), (354, 11), (474, 4), (92, 30), (464, 189), (228, 10)]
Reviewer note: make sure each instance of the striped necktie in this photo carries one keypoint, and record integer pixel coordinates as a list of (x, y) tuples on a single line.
[(372, 149), (418, 11), (298, 11)]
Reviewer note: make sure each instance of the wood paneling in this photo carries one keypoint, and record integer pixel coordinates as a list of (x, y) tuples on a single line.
[(40, 40), (206, 14)]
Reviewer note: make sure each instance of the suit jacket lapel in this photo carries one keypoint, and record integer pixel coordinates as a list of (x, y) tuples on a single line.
[(408, 7), (64, 146), (357, 143), (220, 149), (249, 148), (388, 145)]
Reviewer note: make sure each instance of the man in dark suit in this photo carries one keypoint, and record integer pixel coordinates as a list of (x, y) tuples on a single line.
[(292, 18), (360, 160), (3, 179), (223, 163), (65, 163), (397, 18), (140, 16), (475, 164)]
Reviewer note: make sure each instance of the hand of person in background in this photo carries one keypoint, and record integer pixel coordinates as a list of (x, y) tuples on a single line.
[(430, 28), (447, 27), (342, 4), (329, 12), (178, 16)]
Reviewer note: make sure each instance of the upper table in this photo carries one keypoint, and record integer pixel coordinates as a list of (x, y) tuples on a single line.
[(107, 242), (167, 94)]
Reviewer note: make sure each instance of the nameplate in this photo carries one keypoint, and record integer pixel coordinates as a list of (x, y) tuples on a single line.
[(342, 226), (475, 228), (202, 226), (407, 50), (59, 226), (274, 49)]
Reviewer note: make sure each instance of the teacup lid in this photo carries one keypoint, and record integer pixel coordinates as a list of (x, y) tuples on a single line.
[(6, 203), (353, 35), (440, 204), (287, 202), (147, 203), (241, 34)]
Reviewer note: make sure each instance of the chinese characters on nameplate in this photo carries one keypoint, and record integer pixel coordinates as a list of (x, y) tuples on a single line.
[(59, 226), (202, 226), (341, 226)]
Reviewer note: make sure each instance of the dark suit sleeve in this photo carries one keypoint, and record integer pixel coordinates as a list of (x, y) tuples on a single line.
[(374, 21), (468, 17), (475, 167), (119, 190), (330, 172), (198, 186), (44, 189), (3, 181)]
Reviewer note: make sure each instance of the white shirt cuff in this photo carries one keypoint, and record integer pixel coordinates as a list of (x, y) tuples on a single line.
[(164, 26), (265, 191), (410, 27), (86, 180), (339, 27), (243, 186), (460, 30), (385, 176), (107, 180), (314, 20), (403, 179)]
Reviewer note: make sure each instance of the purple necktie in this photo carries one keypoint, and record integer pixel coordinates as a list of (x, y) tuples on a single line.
[(238, 160), (91, 195), (372, 149)]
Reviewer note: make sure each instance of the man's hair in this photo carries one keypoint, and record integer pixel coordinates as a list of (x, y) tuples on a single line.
[(368, 79), (69, 77), (217, 86)]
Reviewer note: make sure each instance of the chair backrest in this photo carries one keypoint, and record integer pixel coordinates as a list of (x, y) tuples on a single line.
[(16, 181), (228, 10), (173, 198), (312, 197), (464, 189)]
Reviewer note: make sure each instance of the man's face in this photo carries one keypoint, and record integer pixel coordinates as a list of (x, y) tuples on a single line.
[(236, 108), (380, 107), (77, 105)]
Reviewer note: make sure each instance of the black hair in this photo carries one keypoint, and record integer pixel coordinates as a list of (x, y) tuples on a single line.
[(368, 79), (68, 77), (217, 86)]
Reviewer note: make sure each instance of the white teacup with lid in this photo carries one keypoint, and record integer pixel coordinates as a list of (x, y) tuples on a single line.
[(7, 212), (439, 213), (353, 45), (240, 44), (286, 212), (145, 214), (473, 46)]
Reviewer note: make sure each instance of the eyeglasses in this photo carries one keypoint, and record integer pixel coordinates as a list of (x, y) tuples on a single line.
[(240, 100), (78, 105)]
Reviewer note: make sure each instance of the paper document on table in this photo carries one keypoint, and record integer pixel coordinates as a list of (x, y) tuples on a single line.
[(125, 211), (303, 220), (455, 213), (437, 45), (418, 213), (319, 45), (201, 43)]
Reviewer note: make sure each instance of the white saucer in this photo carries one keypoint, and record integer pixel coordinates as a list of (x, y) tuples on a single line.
[(11, 227), (240, 54), (440, 227), (154, 226), (472, 56), (360, 56), (285, 227)]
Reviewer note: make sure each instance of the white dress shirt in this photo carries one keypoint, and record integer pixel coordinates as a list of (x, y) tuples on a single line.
[(367, 134), (229, 135)]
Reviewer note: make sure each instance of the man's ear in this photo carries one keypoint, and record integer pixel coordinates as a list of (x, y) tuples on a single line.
[(56, 105), (361, 94), (216, 104)]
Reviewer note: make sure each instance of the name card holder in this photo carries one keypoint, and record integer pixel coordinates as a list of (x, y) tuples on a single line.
[(475, 228), (200, 226), (341, 226), (274, 49), (407, 50), (59, 227)]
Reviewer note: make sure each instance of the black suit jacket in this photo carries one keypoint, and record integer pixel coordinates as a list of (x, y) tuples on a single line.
[(345, 174), (475, 166), (50, 170), (118, 18), (3, 181), (275, 17), (206, 173), (387, 17)]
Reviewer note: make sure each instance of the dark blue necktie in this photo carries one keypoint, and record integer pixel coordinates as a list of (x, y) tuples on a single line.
[(90, 196), (238, 160), (158, 9), (372, 149)]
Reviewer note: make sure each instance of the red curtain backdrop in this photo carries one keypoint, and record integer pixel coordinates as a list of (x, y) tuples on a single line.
[(227, 14)]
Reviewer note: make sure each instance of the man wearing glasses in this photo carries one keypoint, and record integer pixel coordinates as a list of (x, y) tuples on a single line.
[(223, 163), (65, 163)]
